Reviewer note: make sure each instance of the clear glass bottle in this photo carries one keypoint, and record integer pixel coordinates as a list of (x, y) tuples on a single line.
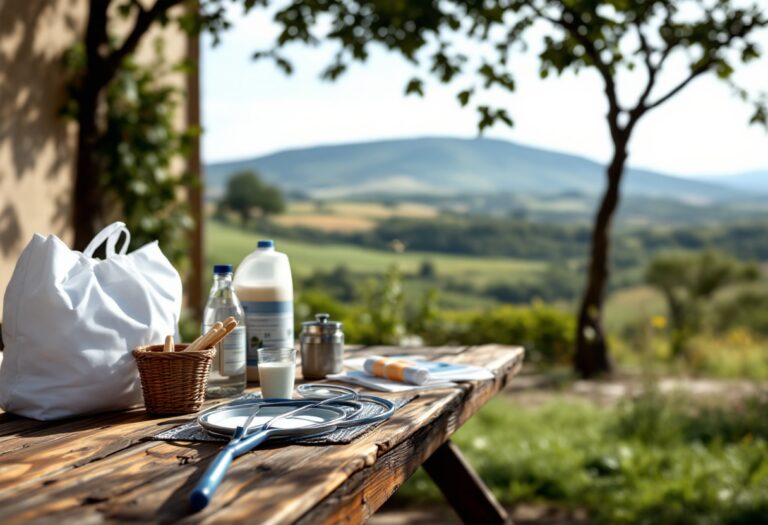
[(227, 377)]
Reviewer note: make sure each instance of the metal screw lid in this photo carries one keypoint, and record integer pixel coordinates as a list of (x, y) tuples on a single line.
[(322, 325)]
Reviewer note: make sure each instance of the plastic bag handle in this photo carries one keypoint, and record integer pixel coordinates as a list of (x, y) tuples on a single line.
[(110, 235)]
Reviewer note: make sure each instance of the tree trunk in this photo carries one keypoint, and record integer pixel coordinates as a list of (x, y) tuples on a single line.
[(592, 357), (86, 205)]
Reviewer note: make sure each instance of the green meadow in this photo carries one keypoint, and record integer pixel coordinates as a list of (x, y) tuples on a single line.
[(226, 243)]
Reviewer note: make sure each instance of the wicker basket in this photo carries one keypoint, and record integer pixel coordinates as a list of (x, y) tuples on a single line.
[(173, 382)]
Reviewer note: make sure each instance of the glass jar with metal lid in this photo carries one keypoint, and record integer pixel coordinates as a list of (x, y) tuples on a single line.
[(322, 347)]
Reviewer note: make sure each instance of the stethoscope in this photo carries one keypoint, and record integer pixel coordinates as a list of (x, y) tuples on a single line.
[(341, 407), (349, 400)]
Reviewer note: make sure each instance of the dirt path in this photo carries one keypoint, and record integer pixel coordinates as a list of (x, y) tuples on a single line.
[(535, 389), (443, 515)]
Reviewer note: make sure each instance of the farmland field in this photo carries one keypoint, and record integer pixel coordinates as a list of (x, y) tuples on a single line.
[(366, 210), (326, 222), (348, 217), (225, 243)]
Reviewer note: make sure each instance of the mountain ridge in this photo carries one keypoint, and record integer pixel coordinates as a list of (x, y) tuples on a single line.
[(448, 165), (755, 180)]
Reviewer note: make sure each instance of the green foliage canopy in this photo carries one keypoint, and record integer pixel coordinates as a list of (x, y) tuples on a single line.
[(607, 35), (246, 192), (687, 281)]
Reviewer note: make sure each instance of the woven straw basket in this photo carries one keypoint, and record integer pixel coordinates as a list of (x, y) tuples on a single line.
[(173, 382)]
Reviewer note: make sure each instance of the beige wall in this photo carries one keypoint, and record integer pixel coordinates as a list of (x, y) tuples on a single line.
[(36, 145)]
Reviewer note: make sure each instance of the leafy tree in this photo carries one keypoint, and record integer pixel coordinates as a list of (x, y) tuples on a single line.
[(748, 308), (339, 283), (427, 269), (609, 37), (246, 192), (105, 56), (137, 148), (688, 281)]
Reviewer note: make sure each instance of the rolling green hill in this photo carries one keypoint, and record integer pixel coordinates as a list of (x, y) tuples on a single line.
[(451, 166)]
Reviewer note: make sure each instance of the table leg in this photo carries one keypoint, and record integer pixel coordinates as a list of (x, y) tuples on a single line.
[(463, 488)]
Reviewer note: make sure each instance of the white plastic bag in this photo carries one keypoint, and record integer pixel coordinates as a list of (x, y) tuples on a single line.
[(71, 321)]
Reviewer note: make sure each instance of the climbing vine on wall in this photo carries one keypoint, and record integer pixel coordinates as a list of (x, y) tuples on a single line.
[(141, 151)]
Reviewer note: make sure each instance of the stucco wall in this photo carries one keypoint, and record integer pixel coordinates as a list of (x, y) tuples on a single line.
[(37, 152)]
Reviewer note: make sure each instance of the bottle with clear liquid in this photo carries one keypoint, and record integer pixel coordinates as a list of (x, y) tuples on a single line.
[(227, 376)]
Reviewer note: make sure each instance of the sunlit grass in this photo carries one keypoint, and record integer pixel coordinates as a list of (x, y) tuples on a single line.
[(657, 460)]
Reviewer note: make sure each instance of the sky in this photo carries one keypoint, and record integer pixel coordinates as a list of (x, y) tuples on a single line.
[(251, 108)]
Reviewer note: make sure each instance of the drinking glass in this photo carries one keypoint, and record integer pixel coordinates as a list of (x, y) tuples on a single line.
[(277, 371)]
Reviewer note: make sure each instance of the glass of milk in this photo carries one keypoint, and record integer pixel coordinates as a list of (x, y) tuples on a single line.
[(277, 371)]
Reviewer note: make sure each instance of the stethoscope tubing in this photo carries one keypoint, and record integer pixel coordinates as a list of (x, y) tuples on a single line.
[(241, 442), (350, 398)]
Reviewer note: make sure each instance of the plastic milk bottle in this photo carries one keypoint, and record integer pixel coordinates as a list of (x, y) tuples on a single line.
[(264, 286)]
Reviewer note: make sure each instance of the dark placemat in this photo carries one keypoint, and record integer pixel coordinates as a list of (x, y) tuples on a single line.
[(192, 431)]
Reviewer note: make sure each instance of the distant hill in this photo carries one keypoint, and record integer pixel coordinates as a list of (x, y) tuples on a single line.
[(451, 166), (752, 181)]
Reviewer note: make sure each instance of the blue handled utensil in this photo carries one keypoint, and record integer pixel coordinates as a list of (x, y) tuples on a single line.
[(281, 422), (287, 419)]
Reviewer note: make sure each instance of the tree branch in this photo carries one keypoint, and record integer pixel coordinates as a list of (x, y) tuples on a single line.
[(675, 90), (706, 64), (640, 108), (96, 34), (614, 108), (646, 50), (143, 22)]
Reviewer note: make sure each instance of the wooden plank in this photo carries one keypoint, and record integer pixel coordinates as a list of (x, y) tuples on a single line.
[(462, 487), (119, 478), (433, 352), (196, 200), (36, 459), (94, 482), (329, 470), (366, 490), (12, 426)]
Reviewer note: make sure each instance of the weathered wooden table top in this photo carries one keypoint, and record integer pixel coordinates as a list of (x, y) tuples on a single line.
[(103, 468)]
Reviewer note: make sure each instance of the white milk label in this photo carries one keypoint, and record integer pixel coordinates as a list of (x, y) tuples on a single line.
[(268, 324), (232, 350)]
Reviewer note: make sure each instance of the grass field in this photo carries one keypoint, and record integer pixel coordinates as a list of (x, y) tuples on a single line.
[(652, 460), (226, 243)]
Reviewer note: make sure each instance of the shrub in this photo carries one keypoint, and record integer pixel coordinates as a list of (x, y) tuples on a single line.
[(746, 309), (547, 333)]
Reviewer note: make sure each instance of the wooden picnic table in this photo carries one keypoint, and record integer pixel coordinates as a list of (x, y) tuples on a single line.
[(104, 469)]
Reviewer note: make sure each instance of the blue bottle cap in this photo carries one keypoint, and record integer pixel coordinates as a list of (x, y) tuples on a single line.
[(267, 243), (222, 268)]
